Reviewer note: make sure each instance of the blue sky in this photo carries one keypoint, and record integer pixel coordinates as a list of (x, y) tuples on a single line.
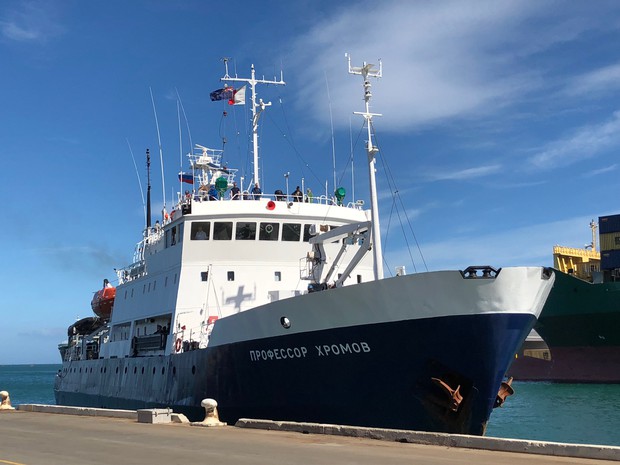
[(500, 132)]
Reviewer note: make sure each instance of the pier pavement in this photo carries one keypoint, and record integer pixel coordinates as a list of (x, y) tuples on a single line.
[(77, 437)]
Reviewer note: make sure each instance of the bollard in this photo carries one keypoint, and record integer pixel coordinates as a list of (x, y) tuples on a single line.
[(6, 401), (211, 416)]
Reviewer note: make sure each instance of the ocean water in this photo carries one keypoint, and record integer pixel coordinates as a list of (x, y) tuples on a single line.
[(29, 384), (571, 413)]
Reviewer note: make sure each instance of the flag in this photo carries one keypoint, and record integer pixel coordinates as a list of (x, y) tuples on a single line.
[(226, 93), (188, 178), (238, 97)]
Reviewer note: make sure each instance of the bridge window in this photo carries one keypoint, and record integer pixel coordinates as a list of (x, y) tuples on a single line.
[(222, 230), (269, 231), (278, 276), (307, 234), (231, 275), (291, 231), (200, 230), (245, 231)]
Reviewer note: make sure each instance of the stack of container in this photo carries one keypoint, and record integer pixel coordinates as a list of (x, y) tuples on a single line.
[(609, 237)]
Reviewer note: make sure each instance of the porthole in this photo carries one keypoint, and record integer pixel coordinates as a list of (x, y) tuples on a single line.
[(153, 370), (117, 370), (163, 370), (174, 370), (125, 370), (193, 370), (285, 322), (142, 370)]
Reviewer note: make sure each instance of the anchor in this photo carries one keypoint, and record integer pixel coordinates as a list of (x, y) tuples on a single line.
[(454, 395), (505, 390)]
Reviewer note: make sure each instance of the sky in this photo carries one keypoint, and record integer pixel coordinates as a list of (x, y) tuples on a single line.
[(498, 139)]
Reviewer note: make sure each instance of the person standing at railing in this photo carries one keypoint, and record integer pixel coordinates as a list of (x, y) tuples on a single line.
[(297, 195), (235, 192), (309, 195), (256, 192)]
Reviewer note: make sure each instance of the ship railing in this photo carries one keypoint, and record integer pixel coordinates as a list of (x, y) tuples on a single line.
[(194, 338), (202, 196), (129, 273), (148, 343)]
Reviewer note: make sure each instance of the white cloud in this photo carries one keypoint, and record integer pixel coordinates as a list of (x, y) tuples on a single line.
[(34, 21), (606, 79), (441, 60), (586, 142), (527, 246), (604, 170), (13, 31), (468, 173)]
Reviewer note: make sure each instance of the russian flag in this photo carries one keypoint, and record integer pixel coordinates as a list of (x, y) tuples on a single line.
[(188, 178)]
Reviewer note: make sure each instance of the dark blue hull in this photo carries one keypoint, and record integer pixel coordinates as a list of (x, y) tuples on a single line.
[(376, 375)]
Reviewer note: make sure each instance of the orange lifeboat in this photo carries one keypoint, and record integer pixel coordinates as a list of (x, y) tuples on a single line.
[(103, 300)]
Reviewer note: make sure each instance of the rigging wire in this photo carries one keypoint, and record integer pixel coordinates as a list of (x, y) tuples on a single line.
[(138, 176), (161, 154), (331, 120), (395, 193)]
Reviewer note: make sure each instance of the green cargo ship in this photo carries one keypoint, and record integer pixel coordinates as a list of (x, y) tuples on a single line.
[(580, 322)]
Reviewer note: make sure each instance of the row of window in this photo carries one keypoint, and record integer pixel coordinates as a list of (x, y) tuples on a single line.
[(135, 370), (248, 231), (147, 287)]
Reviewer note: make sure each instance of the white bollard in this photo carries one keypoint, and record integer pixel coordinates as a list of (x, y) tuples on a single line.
[(211, 416), (6, 401)]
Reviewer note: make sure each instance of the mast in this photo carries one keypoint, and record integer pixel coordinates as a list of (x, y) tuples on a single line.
[(257, 108), (148, 189), (367, 71), (593, 227)]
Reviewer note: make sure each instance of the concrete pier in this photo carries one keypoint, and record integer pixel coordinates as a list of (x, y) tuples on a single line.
[(32, 435)]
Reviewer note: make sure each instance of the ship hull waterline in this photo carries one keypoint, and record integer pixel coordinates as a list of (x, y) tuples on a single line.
[(377, 375)]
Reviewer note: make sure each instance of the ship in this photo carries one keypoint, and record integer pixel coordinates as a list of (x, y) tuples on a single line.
[(580, 322), (276, 306)]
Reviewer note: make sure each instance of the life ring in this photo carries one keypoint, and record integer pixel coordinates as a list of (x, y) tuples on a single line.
[(178, 344)]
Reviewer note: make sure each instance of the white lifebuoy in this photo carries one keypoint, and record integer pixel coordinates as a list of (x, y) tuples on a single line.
[(178, 344)]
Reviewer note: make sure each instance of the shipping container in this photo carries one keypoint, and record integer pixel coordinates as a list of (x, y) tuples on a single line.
[(610, 259), (609, 241), (608, 224)]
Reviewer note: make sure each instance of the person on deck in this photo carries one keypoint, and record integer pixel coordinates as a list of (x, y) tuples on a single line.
[(213, 193), (256, 192), (297, 195), (234, 192)]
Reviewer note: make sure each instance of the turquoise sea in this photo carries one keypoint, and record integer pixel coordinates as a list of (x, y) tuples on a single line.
[(572, 413)]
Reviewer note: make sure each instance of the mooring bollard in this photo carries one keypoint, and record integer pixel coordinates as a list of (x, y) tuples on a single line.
[(211, 416), (6, 401)]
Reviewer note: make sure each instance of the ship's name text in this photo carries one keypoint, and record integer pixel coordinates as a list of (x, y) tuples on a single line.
[(324, 350)]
